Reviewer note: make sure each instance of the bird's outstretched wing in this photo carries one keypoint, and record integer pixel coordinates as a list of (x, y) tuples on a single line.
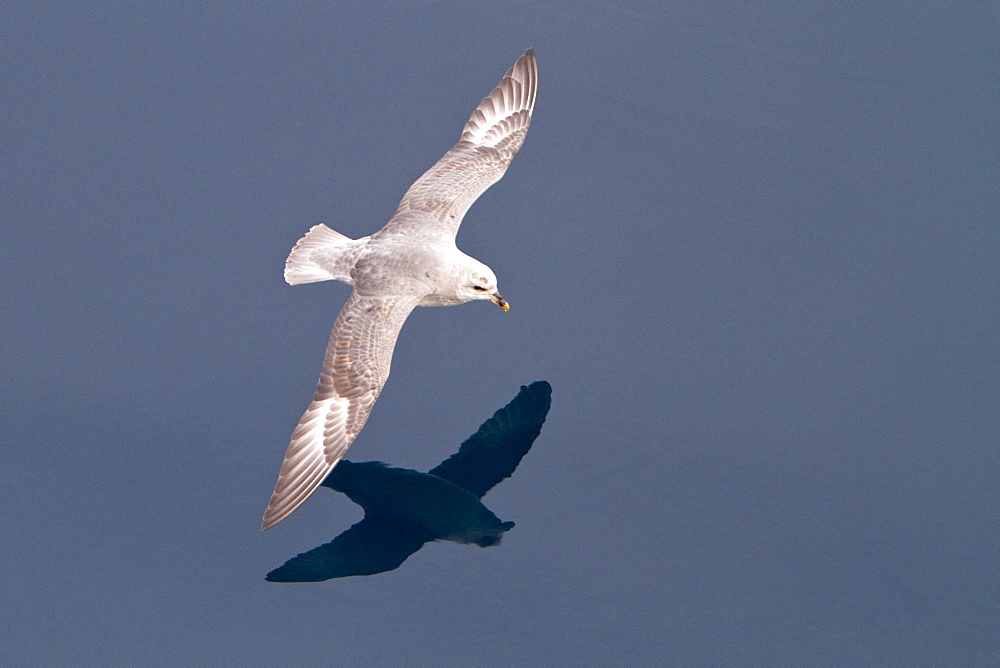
[(493, 452), (489, 141), (355, 368)]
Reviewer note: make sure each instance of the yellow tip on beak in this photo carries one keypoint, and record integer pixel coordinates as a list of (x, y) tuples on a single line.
[(498, 299)]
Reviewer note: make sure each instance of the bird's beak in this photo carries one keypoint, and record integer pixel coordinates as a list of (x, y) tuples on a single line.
[(498, 299)]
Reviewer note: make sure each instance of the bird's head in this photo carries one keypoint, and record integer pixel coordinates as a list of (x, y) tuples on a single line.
[(479, 282), (491, 538)]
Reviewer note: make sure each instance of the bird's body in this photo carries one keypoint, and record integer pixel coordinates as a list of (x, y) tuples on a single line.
[(412, 261)]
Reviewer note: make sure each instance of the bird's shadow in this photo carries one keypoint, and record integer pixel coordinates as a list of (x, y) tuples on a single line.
[(405, 509)]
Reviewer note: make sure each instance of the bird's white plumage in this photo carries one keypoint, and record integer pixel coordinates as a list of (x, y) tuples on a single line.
[(302, 266), (411, 261)]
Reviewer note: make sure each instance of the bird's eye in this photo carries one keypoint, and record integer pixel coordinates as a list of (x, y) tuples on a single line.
[(479, 287)]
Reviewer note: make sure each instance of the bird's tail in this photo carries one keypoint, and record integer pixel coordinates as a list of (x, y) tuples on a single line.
[(321, 255)]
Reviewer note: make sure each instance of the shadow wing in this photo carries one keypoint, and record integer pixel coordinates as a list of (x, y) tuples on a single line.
[(367, 548), (493, 452)]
